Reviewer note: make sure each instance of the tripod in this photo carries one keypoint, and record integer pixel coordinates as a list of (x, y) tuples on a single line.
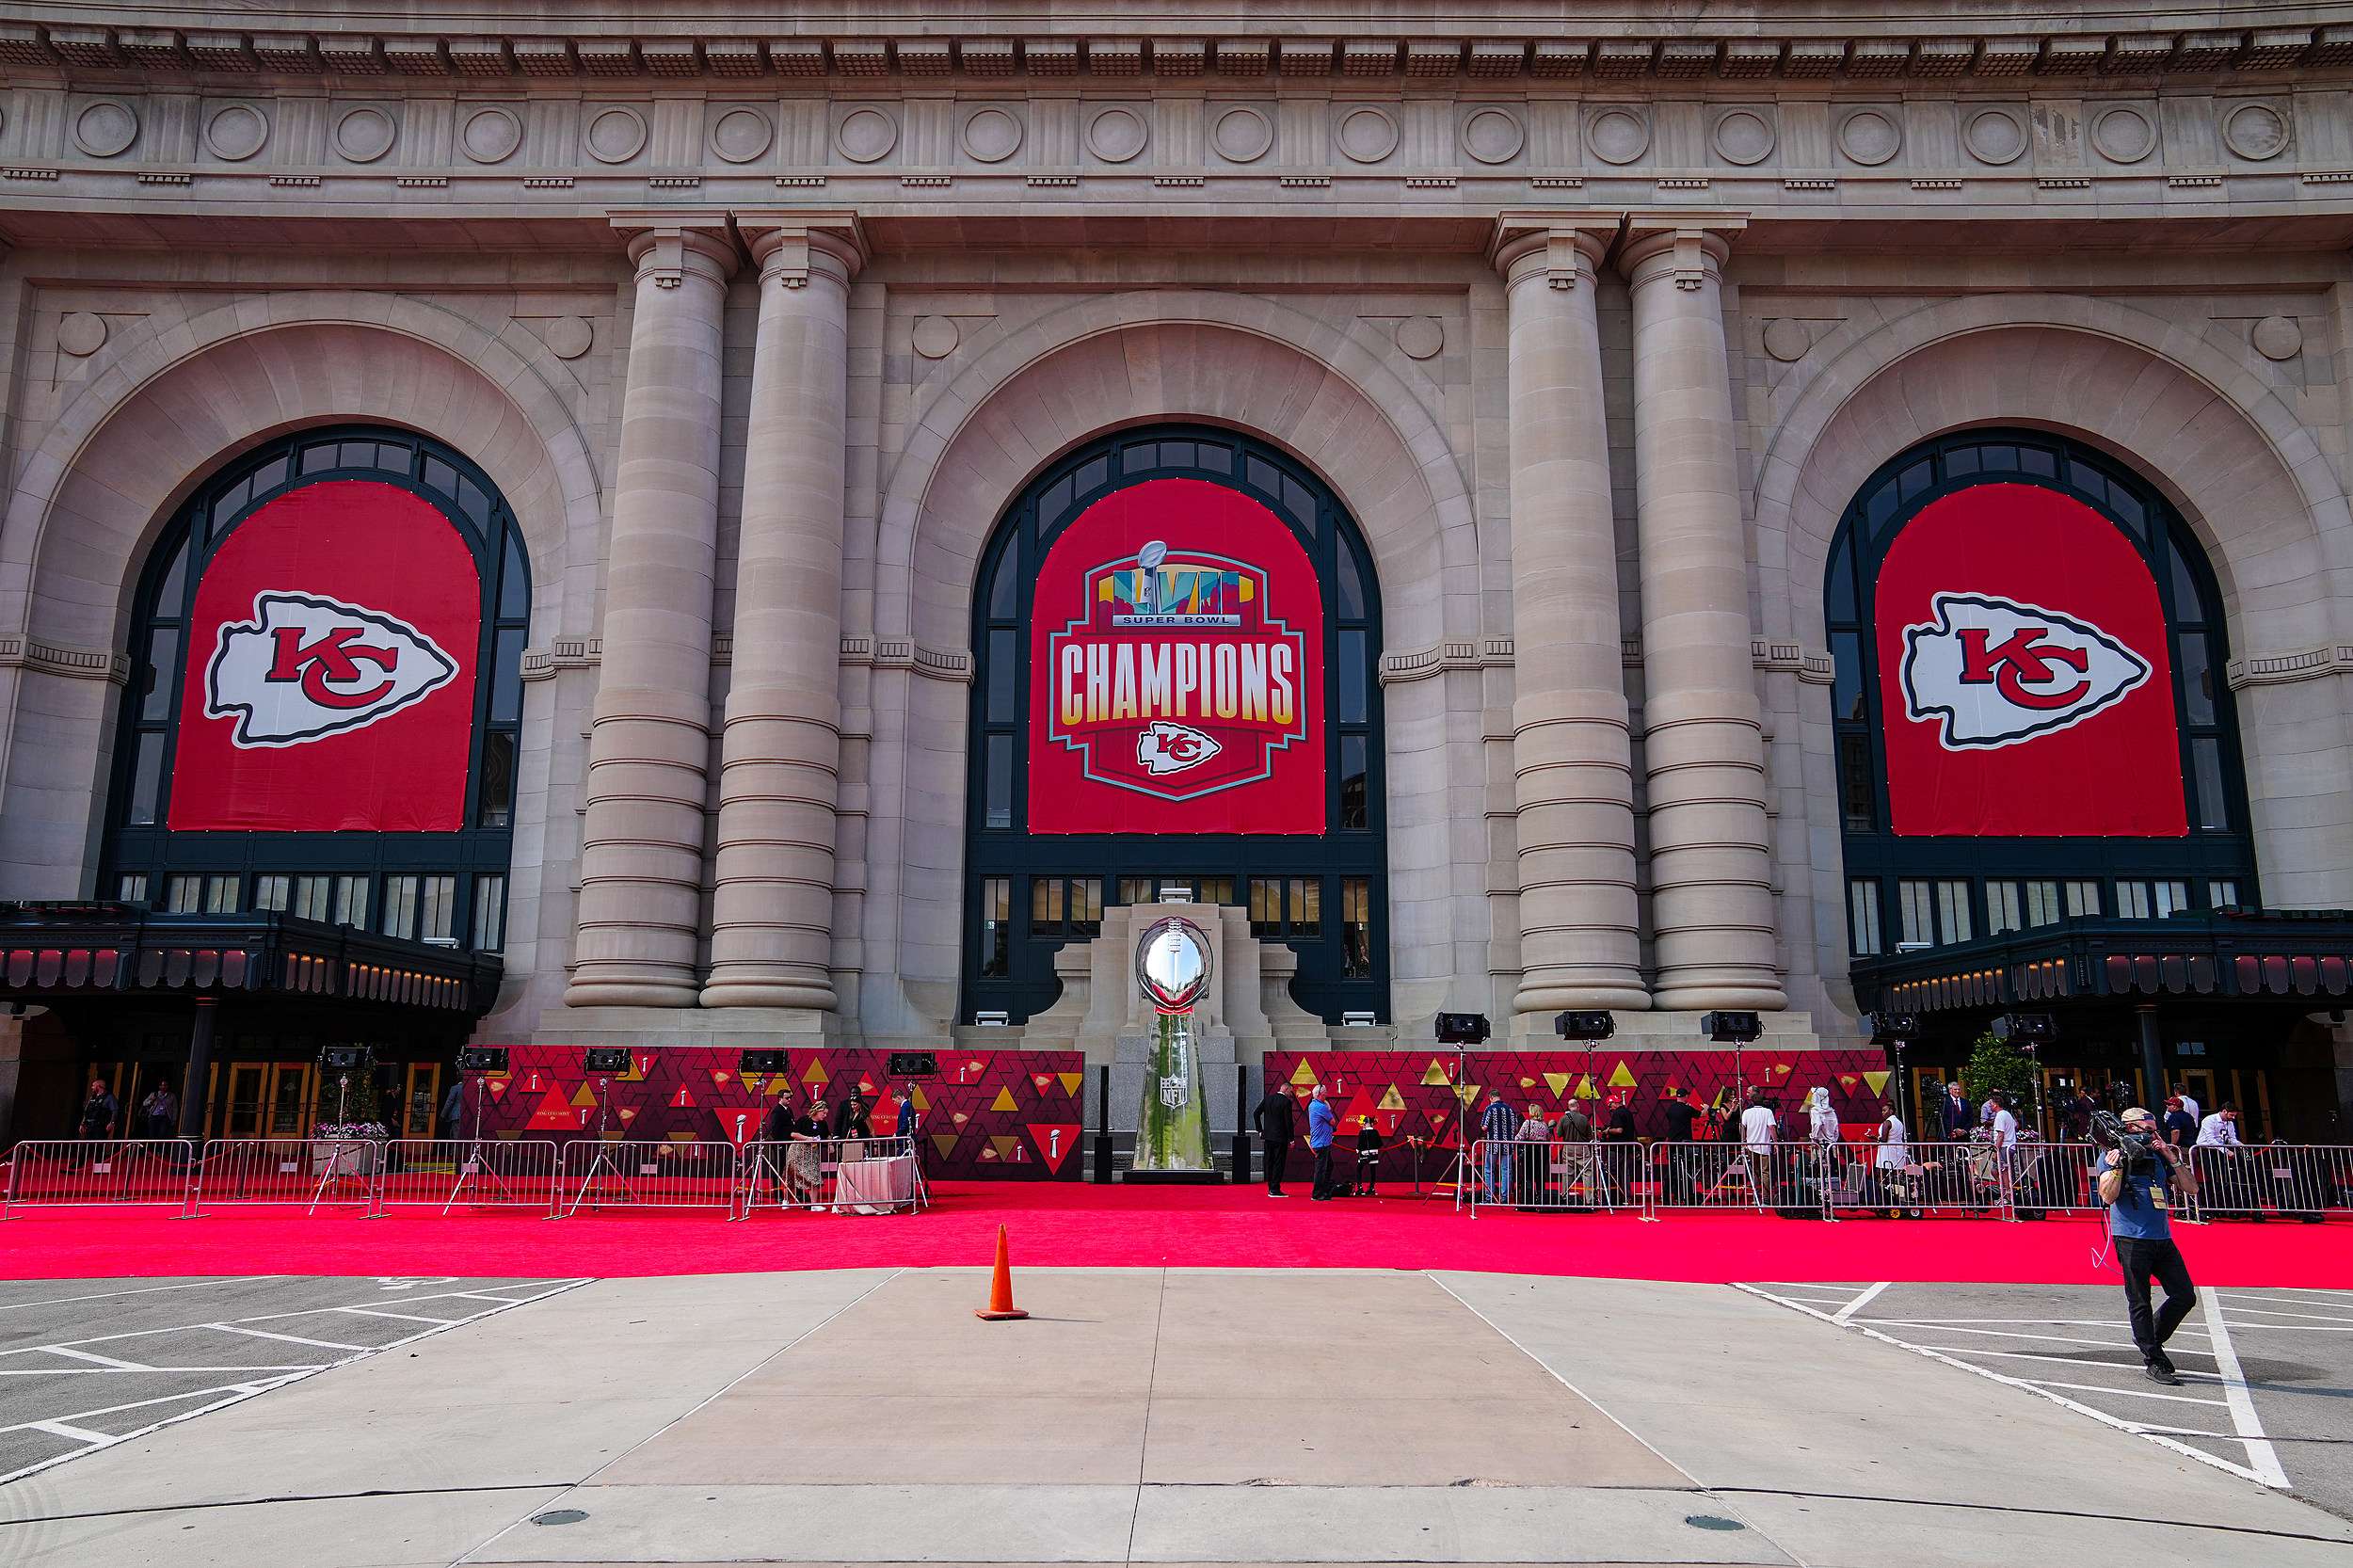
[(604, 1161), (469, 1167)]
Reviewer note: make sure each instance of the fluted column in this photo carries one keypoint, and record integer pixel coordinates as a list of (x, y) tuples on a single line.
[(772, 915), (1580, 926), (642, 845), (1703, 728)]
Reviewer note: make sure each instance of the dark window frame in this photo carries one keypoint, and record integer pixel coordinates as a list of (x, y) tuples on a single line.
[(1882, 506), (1048, 506), (462, 493)]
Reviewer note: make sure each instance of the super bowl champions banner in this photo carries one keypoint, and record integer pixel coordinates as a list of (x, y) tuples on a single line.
[(2025, 672), (993, 1115), (1178, 667), (1424, 1095), (331, 669)]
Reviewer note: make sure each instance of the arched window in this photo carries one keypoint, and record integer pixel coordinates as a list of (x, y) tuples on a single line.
[(2031, 719), (1178, 636), (326, 692)]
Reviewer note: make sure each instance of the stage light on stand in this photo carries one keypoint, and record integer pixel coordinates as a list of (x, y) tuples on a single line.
[(1584, 1025), (1738, 1031), (2029, 1032), (1898, 1029), (763, 1062)]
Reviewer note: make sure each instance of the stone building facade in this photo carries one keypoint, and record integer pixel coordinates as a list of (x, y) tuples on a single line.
[(1594, 339)]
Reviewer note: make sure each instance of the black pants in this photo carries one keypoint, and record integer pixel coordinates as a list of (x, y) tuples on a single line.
[(2162, 1261), (1278, 1158), (1323, 1172)]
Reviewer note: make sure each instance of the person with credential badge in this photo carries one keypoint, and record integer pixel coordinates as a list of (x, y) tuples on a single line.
[(2138, 1176)]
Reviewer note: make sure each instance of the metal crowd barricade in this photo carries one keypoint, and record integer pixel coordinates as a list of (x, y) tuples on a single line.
[(482, 1172), (75, 1171), (2299, 1181), (309, 1173), (1712, 1176), (596, 1175), (851, 1175), (1554, 1176)]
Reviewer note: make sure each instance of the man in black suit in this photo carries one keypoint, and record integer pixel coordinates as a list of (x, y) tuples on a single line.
[(1276, 1121)]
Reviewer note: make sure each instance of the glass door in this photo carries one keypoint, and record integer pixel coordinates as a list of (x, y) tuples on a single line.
[(244, 1116), (422, 1099), (290, 1099)]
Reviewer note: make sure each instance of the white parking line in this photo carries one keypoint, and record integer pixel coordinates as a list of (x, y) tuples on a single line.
[(142, 1290), (233, 1393), (1846, 1313), (2260, 1454), (2135, 1427)]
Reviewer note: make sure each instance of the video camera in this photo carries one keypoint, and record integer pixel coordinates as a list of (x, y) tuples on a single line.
[(2133, 1154)]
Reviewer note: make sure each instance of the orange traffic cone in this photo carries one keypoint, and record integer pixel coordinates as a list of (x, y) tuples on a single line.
[(1001, 1307)]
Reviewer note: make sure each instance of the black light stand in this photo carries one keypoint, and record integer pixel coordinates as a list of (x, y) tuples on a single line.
[(1241, 1126), (604, 1062), (1461, 1030), (477, 1062), (1103, 1128)]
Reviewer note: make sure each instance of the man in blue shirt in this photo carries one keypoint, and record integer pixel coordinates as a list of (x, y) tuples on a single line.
[(1321, 1121), (2139, 1200), (1498, 1126)]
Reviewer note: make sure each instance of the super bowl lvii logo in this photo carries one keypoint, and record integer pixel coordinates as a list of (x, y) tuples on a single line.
[(1172, 678)]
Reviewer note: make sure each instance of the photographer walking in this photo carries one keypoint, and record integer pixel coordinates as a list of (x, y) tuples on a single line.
[(2137, 1178)]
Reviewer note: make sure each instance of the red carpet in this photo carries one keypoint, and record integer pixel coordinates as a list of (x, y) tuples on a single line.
[(1136, 1227)]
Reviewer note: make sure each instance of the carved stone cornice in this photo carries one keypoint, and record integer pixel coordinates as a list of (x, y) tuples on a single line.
[(2279, 669), (2030, 42), (1466, 653), (22, 651), (953, 665)]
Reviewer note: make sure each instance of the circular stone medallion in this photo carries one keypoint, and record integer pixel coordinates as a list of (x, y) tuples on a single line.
[(1618, 135), (990, 136), (364, 136), (2255, 132), (866, 134), (614, 135), (1420, 337), (1367, 134), (2123, 135), (1242, 135), (1996, 137), (1116, 134), (1743, 137), (934, 337), (1493, 137), (490, 135), (106, 128), (1869, 138), (81, 334), (569, 337), (2279, 338), (1786, 340), (741, 134), (236, 133)]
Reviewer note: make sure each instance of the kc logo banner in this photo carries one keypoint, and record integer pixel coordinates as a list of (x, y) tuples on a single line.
[(1177, 657), (305, 668), (330, 675), (1998, 673), (2023, 670)]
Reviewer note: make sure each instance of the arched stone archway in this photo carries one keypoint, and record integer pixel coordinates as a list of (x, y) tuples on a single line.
[(1102, 364), (167, 407), (2185, 414)]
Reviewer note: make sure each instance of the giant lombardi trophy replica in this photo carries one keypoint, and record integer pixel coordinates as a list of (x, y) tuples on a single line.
[(1173, 966)]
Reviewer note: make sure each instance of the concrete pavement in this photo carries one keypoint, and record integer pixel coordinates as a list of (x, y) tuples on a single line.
[(1165, 1416)]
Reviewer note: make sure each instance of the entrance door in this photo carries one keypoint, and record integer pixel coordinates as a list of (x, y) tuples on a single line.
[(246, 1113), (289, 1099), (2200, 1082), (423, 1098)]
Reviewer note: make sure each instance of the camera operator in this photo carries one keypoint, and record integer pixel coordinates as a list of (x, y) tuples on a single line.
[(2138, 1173)]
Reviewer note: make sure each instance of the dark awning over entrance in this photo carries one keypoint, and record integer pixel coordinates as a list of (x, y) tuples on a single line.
[(2270, 958), (70, 952)]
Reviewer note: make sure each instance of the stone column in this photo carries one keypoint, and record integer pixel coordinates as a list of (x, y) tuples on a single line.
[(772, 915), (650, 740), (1579, 925), (1703, 728)]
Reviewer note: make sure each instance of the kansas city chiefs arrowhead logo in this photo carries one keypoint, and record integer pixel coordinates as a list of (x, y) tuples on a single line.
[(305, 667), (1166, 749), (1998, 672)]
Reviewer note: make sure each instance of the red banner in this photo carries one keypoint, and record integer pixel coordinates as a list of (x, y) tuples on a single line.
[(331, 682), (1177, 651), (2023, 673)]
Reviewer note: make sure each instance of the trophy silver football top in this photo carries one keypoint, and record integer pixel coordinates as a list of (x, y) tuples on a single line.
[(1172, 965)]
